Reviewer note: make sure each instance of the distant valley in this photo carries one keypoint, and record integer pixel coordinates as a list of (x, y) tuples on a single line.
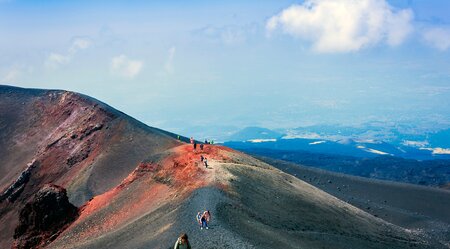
[(345, 153)]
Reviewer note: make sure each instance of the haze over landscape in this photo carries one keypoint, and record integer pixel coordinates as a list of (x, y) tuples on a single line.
[(222, 66), (296, 124)]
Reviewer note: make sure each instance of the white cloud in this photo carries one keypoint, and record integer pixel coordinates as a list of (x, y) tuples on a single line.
[(441, 151), (228, 34), (262, 140), (169, 63), (438, 151), (54, 60), (437, 37), (415, 143), (379, 152), (11, 76), (233, 35), (79, 44), (121, 65), (317, 142), (343, 25)]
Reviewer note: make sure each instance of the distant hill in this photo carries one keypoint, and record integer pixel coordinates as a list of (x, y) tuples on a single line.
[(255, 134), (345, 147), (374, 138), (430, 172)]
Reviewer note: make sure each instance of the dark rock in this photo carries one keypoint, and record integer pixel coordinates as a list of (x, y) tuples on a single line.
[(44, 218), (54, 142), (79, 157), (16, 193), (90, 129), (16, 188)]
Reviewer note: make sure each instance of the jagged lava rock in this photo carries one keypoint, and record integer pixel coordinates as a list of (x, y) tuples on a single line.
[(44, 217)]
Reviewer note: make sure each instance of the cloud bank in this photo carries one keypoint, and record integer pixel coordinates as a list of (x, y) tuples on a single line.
[(121, 65), (438, 37), (343, 25), (228, 34), (54, 60), (11, 76)]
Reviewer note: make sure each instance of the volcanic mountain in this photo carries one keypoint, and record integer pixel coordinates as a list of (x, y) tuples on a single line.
[(135, 186)]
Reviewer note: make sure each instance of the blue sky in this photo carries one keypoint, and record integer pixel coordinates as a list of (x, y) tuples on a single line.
[(193, 65)]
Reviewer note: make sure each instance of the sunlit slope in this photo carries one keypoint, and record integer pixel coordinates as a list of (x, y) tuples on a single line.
[(253, 204)]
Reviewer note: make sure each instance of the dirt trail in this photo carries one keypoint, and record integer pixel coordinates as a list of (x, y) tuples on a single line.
[(217, 236), (205, 198)]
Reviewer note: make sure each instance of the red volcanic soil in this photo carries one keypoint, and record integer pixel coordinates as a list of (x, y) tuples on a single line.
[(176, 174), (70, 140)]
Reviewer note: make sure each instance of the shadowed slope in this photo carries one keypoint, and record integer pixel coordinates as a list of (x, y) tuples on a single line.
[(414, 207), (67, 139)]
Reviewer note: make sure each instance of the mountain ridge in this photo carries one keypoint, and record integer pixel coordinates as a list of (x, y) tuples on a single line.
[(140, 187)]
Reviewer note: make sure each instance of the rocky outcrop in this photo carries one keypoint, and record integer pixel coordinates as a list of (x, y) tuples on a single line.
[(44, 218), (16, 188)]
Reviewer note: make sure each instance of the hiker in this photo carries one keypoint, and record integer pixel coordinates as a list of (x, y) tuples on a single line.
[(201, 146), (195, 145), (205, 218), (205, 161), (192, 140), (201, 158), (199, 218), (178, 137), (182, 242), (212, 142), (206, 141)]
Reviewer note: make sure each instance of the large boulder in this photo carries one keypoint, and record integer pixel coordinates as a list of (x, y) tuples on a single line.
[(44, 217)]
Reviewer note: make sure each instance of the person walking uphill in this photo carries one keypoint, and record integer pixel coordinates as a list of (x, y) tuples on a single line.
[(182, 242), (199, 219), (205, 218)]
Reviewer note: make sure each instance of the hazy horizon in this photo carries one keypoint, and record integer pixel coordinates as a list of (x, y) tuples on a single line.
[(278, 64)]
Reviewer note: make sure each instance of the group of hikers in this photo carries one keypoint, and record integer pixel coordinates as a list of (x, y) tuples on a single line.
[(202, 218), (203, 159), (194, 143)]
